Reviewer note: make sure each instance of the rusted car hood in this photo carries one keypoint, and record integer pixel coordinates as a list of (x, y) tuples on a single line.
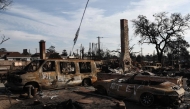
[(169, 86), (19, 72), (175, 80), (165, 85)]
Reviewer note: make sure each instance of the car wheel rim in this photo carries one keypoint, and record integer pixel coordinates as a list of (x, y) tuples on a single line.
[(147, 99)]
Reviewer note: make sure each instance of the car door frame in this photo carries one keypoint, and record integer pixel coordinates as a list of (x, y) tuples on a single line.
[(123, 89), (48, 77)]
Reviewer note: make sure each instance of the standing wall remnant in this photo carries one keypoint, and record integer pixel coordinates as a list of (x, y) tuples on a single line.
[(125, 59)]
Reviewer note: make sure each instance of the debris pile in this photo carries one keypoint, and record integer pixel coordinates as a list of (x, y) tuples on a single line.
[(68, 104)]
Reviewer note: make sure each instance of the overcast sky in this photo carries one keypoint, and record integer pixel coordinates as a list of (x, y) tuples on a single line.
[(26, 22)]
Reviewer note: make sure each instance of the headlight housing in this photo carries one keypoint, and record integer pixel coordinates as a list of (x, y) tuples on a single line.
[(176, 87), (173, 94)]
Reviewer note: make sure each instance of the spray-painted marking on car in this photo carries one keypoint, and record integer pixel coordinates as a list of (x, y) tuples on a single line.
[(64, 78), (45, 75), (135, 89), (128, 88), (115, 86)]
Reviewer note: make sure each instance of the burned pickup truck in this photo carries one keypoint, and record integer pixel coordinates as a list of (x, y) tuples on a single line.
[(53, 73), (147, 92)]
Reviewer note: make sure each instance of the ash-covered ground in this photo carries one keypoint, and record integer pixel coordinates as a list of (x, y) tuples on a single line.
[(77, 97)]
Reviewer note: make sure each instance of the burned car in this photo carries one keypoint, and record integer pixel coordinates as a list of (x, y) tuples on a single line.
[(146, 76), (53, 73), (147, 92)]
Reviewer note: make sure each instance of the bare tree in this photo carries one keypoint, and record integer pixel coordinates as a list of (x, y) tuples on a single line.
[(4, 4), (4, 39), (161, 32)]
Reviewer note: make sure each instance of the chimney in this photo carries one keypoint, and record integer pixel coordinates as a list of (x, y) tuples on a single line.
[(25, 52), (125, 56), (42, 49)]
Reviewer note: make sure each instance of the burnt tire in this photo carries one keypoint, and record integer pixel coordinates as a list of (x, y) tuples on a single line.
[(146, 99), (35, 85), (101, 90), (86, 82)]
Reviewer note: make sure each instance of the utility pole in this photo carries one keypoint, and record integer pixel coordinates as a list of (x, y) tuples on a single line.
[(90, 51), (77, 52), (99, 46)]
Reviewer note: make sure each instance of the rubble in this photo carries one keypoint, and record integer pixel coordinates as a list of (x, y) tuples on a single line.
[(73, 97), (68, 104), (85, 97)]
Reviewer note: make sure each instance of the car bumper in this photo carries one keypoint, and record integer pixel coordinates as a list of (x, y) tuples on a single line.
[(14, 86)]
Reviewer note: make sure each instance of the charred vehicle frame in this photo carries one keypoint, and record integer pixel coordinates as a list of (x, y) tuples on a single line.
[(147, 92), (53, 73)]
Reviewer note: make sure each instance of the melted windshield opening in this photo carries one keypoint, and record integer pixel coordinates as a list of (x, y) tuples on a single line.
[(34, 65)]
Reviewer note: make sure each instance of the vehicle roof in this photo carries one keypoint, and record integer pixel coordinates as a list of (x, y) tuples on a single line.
[(67, 59)]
